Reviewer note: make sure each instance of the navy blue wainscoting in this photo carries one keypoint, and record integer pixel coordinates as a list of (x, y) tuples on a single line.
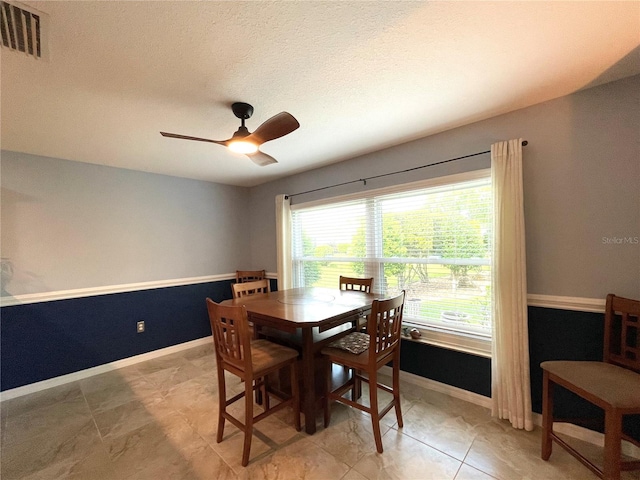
[(563, 335), (44, 340), (568, 335), (469, 372), (553, 335)]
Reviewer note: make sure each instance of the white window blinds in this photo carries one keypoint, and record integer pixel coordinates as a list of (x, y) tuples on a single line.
[(432, 241)]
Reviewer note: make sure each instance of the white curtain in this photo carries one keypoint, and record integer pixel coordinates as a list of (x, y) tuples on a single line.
[(283, 241), (510, 383)]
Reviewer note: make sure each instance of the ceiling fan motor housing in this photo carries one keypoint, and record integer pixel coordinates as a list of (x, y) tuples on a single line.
[(242, 110)]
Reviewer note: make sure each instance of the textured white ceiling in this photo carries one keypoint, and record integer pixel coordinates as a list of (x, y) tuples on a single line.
[(358, 76)]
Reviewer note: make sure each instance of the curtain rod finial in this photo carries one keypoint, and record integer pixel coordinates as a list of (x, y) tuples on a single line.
[(525, 143)]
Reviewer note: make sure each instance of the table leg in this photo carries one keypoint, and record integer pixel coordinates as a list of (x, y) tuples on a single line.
[(309, 382)]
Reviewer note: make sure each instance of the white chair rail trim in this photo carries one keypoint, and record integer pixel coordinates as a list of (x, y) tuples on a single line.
[(108, 289), (577, 304), (567, 303)]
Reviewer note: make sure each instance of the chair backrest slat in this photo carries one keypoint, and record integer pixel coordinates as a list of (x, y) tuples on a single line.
[(250, 288), (231, 334), (243, 276), (622, 332), (357, 284), (385, 324)]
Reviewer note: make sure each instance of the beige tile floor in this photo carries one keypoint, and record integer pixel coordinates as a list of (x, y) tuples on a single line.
[(157, 420)]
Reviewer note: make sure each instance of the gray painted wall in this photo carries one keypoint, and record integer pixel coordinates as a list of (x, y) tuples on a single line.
[(581, 182), (69, 225)]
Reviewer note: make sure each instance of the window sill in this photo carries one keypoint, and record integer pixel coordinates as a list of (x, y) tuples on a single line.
[(462, 342)]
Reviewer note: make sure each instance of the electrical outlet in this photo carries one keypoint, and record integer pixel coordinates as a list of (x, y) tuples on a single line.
[(140, 326)]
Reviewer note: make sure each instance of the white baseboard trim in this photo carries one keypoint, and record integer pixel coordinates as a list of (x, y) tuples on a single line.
[(571, 430), (107, 367), (450, 390), (587, 435)]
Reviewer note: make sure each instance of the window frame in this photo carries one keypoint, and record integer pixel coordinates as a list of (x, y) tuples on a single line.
[(475, 343)]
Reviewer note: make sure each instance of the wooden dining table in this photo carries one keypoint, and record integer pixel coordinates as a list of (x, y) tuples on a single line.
[(308, 319)]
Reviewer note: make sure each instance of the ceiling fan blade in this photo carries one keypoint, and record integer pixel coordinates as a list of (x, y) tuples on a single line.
[(261, 158), (186, 137), (277, 126)]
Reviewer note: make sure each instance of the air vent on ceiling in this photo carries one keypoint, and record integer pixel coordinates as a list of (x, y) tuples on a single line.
[(21, 29)]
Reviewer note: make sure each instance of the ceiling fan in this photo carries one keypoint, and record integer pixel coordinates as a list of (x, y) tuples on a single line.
[(246, 142)]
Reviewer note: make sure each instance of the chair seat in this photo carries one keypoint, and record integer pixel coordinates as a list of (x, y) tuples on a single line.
[(266, 354), (616, 386), (341, 355)]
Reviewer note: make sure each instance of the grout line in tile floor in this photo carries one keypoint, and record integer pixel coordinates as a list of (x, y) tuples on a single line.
[(158, 419)]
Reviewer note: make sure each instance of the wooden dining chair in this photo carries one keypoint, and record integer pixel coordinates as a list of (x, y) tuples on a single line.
[(247, 289), (252, 361), (250, 288), (243, 276), (367, 353), (613, 385), (358, 285)]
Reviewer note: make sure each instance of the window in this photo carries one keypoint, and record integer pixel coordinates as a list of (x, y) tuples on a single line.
[(432, 239)]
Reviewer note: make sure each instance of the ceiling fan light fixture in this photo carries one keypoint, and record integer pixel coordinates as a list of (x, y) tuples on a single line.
[(247, 143), (243, 146)]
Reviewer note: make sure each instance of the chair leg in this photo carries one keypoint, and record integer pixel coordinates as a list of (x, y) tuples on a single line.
[(375, 414), (248, 421), (222, 404), (295, 393), (547, 416), (326, 404), (612, 445), (356, 391), (396, 390), (265, 394), (258, 396)]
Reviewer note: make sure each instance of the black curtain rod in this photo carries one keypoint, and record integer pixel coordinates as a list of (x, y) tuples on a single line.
[(364, 180)]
